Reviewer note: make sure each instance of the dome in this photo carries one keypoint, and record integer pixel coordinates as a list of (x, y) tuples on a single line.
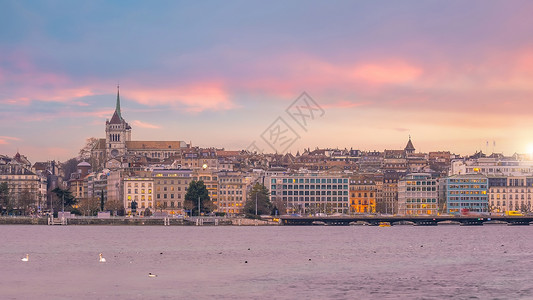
[(84, 164)]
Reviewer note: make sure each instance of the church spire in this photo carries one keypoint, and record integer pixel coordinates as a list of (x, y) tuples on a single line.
[(117, 116), (117, 108)]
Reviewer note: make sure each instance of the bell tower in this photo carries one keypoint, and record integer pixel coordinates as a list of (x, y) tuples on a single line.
[(117, 132)]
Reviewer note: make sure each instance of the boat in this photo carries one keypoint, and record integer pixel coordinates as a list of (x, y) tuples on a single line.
[(384, 224), (319, 223)]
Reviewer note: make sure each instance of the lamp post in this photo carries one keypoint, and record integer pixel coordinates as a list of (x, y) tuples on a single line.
[(256, 203), (198, 206)]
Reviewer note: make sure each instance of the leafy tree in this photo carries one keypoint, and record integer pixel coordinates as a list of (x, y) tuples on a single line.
[(260, 196), (66, 196), (147, 212), (197, 189)]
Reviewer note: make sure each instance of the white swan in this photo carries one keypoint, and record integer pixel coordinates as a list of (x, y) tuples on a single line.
[(102, 259), (152, 275), (26, 258)]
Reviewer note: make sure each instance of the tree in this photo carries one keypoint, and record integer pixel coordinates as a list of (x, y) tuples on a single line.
[(69, 167), (66, 196), (115, 206), (85, 153), (89, 206), (26, 201), (147, 212), (258, 198), (6, 203), (197, 190)]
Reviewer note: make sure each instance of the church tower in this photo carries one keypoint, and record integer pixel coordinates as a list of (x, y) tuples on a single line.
[(117, 132), (409, 148)]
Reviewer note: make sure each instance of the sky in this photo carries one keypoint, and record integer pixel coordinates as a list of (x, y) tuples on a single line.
[(454, 75)]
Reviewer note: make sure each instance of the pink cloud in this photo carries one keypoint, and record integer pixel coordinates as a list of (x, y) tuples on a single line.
[(344, 104), (195, 98), (142, 124), (287, 74), (394, 72), (5, 140)]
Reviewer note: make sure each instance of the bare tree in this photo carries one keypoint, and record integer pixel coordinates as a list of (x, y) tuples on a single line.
[(26, 201)]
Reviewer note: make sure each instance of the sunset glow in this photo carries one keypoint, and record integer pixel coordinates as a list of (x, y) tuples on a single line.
[(453, 75)]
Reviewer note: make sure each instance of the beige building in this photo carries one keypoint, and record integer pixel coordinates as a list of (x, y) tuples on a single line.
[(233, 190), (22, 183), (170, 189), (510, 193), (140, 190)]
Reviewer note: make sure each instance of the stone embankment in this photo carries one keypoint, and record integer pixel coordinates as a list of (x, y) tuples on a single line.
[(204, 221)]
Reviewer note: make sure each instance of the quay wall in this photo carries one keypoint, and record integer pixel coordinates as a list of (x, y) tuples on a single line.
[(138, 221)]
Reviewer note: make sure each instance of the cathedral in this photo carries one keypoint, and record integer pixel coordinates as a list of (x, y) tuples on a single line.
[(117, 148)]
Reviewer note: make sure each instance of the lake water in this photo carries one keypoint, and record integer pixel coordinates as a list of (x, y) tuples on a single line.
[(320, 262)]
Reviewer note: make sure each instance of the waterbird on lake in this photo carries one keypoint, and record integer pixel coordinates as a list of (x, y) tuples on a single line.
[(101, 259), (152, 275), (26, 258)]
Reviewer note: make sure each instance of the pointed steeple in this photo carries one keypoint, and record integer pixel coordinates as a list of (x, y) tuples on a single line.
[(117, 116), (117, 108), (409, 148)]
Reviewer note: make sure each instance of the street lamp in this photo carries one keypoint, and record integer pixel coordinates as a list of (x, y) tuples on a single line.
[(198, 206), (256, 203)]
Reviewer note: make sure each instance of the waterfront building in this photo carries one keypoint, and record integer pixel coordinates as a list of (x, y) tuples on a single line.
[(363, 194), (418, 194), (27, 190), (170, 188), (498, 166), (97, 189), (510, 193), (467, 193), (77, 183), (310, 193), (387, 201), (233, 188), (141, 191)]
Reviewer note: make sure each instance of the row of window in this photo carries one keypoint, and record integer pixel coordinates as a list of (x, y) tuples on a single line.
[(418, 206), (510, 191), (510, 196), (320, 199), (311, 193), (503, 203), (421, 189), (411, 182), (466, 186), (311, 180), (468, 204), (418, 200), (467, 199), (462, 192), (310, 187), (371, 195)]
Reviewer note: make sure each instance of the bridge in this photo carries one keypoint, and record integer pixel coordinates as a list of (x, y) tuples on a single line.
[(376, 220)]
